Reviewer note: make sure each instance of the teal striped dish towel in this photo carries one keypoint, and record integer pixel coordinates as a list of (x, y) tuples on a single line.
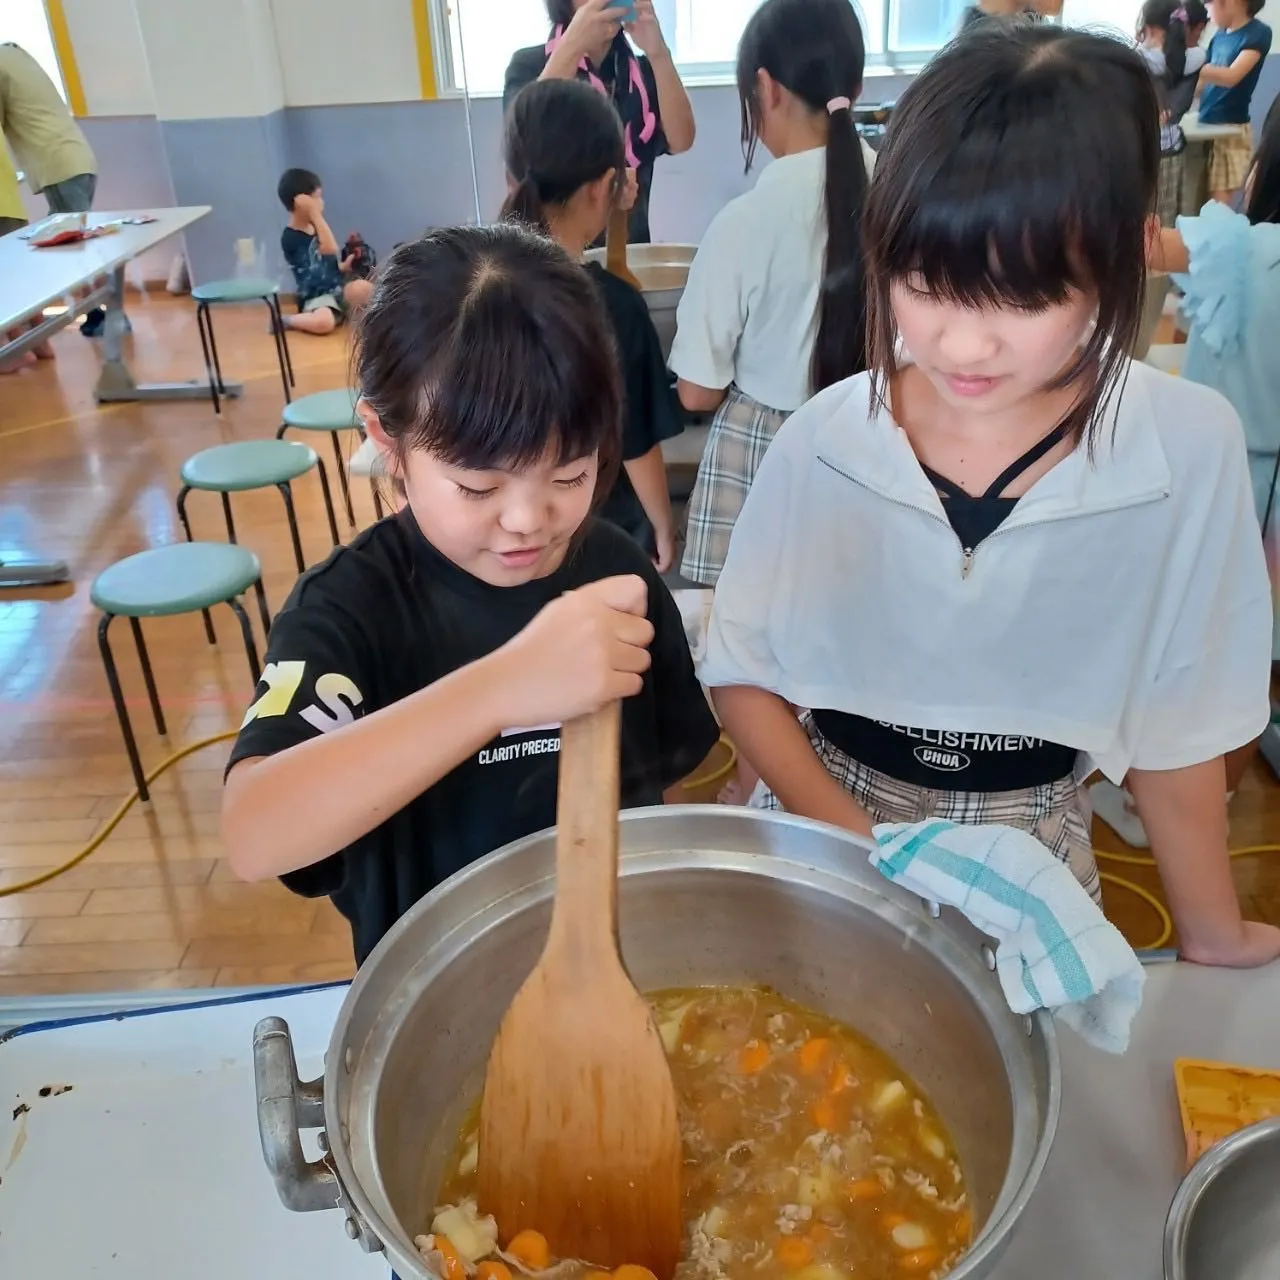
[(1054, 947)]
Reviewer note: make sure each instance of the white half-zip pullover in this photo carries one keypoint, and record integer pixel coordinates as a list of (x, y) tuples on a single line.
[(1123, 609)]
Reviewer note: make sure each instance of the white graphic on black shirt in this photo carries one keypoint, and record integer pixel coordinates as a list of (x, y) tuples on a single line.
[(337, 697)]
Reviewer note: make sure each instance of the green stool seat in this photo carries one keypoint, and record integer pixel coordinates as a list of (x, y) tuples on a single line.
[(255, 464), (181, 578), (323, 411), (187, 577), (213, 292), (331, 411), (247, 464), (249, 290)]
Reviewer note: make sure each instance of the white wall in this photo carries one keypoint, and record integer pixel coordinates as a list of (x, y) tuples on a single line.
[(110, 57), (333, 52), (210, 59)]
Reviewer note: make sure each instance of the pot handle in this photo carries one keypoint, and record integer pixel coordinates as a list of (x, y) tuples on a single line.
[(287, 1105)]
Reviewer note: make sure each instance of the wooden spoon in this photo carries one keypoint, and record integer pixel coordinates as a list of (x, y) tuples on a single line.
[(579, 1137), (615, 247)]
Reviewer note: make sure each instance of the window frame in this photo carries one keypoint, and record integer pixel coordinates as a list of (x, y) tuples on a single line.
[(694, 74)]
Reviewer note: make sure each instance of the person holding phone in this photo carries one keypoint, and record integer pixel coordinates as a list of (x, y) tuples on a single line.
[(589, 41)]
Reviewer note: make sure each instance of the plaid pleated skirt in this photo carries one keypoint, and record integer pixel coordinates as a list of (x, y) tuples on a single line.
[(741, 432), (1058, 814), (1230, 158)]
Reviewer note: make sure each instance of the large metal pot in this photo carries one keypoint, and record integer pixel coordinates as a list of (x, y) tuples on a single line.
[(1224, 1222), (662, 270), (708, 895)]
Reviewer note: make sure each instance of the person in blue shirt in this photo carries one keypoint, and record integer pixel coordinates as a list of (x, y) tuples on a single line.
[(1227, 84), (1228, 265)]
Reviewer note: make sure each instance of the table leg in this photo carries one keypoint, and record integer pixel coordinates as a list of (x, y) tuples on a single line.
[(116, 382)]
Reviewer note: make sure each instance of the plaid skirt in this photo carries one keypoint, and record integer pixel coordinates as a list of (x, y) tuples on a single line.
[(1229, 160), (1058, 813), (741, 431), (1169, 199)]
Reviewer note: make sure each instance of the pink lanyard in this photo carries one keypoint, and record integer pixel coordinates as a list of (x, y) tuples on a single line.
[(649, 121)]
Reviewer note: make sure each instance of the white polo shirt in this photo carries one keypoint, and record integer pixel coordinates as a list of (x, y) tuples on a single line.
[(1123, 609), (749, 313)]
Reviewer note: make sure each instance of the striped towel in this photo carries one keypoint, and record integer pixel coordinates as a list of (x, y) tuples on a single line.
[(1054, 947)]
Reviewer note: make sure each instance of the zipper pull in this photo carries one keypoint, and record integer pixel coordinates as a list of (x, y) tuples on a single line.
[(966, 565)]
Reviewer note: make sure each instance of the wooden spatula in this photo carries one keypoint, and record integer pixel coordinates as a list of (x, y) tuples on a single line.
[(579, 1137), (615, 247)]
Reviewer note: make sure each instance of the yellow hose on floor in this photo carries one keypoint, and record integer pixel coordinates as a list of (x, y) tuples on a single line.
[(114, 821), (716, 775)]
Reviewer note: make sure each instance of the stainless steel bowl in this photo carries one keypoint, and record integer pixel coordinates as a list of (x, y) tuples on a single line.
[(708, 894), (663, 271), (1224, 1223)]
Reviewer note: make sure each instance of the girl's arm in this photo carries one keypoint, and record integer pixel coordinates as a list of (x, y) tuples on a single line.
[(1167, 251), (765, 729), (698, 399), (1184, 812), (1229, 77), (648, 476), (674, 108), (293, 809)]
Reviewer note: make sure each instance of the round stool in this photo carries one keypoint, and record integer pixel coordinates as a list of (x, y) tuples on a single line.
[(331, 411), (228, 291), (182, 578), (254, 464)]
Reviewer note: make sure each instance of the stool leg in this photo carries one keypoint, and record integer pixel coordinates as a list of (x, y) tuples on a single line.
[(282, 429), (213, 349), (328, 499), (122, 712), (251, 649), (202, 316), (260, 592), (342, 477), (287, 494), (186, 526), (145, 660), (284, 341), (377, 499), (277, 334), (226, 511)]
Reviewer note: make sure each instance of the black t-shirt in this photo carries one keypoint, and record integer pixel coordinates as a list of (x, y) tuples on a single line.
[(314, 273), (651, 412), (389, 615), (527, 65)]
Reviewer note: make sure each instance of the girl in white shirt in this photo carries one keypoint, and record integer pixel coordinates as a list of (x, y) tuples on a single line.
[(1013, 556), (774, 306)]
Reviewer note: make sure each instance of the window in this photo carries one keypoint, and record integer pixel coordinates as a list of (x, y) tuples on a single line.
[(24, 22), (479, 36)]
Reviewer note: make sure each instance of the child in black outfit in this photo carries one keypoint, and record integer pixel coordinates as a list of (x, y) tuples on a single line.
[(407, 721), (325, 278), (567, 165)]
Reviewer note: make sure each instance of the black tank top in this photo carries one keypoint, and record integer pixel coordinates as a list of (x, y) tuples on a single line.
[(943, 760)]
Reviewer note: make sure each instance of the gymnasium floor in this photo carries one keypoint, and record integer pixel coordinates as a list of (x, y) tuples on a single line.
[(157, 906)]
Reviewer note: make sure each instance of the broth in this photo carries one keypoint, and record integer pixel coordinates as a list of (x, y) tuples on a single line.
[(808, 1155)]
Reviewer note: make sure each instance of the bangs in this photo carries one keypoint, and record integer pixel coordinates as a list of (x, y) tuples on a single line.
[(552, 393), (990, 213)]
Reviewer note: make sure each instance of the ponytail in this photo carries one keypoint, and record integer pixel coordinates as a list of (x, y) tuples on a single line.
[(841, 346), (525, 205), (1175, 48)]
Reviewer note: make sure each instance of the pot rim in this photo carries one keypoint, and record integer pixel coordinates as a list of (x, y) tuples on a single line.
[(1199, 1178), (971, 1266)]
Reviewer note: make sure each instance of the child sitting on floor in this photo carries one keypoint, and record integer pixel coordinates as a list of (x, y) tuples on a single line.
[(326, 288)]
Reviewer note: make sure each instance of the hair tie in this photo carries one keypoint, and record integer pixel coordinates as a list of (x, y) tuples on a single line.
[(838, 104), (1180, 15)]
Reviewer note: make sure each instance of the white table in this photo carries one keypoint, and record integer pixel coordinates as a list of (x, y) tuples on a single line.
[(150, 1168), (32, 279), (1198, 137)]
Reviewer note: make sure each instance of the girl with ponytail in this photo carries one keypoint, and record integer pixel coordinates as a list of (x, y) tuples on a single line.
[(1169, 33), (566, 166), (774, 309)]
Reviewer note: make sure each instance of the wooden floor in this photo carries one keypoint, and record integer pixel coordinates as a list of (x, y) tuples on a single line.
[(156, 905)]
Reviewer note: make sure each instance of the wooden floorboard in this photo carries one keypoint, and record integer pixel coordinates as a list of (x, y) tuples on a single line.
[(157, 906)]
